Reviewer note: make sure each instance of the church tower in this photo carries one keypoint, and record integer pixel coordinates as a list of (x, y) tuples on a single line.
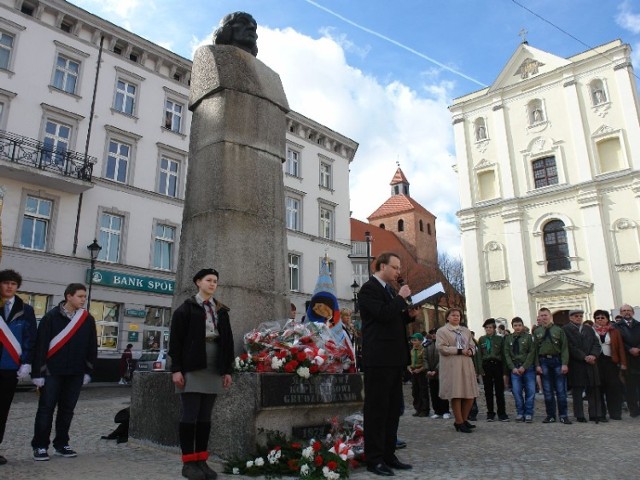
[(413, 224)]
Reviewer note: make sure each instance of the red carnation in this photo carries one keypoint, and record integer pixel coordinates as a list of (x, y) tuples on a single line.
[(293, 350), (318, 461), (296, 445), (313, 369), (316, 446), (291, 366), (293, 465), (301, 356), (260, 368), (244, 357), (332, 465), (281, 354)]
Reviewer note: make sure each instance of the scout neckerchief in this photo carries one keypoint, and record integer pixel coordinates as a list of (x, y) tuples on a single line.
[(10, 342), (67, 332)]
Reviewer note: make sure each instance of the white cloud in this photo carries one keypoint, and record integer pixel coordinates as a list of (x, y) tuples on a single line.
[(391, 122), (627, 19)]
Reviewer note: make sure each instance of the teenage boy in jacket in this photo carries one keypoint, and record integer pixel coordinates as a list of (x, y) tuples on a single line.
[(65, 355), (17, 338)]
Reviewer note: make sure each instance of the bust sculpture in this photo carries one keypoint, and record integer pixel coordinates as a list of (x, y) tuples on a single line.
[(238, 29)]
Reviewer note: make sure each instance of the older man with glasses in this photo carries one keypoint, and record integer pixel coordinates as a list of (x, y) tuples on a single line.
[(630, 330)]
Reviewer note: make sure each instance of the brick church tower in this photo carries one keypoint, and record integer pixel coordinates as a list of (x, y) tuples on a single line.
[(413, 224)]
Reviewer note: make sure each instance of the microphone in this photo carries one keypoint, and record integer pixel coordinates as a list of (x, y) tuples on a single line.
[(401, 283)]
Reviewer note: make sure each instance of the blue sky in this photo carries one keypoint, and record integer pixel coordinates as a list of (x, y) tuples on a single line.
[(383, 72)]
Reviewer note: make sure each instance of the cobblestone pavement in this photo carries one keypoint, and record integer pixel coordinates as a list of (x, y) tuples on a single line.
[(500, 450)]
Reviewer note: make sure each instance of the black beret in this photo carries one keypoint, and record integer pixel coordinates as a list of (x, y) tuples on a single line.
[(489, 321), (204, 272)]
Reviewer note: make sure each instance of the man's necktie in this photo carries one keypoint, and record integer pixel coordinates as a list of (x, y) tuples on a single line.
[(516, 346), (7, 310), (389, 290)]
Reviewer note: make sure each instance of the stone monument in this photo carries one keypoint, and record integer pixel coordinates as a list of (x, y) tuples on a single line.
[(234, 222), (234, 216)]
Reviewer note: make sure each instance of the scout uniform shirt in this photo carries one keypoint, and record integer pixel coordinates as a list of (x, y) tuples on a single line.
[(418, 358), (490, 348), (551, 342), (519, 351)]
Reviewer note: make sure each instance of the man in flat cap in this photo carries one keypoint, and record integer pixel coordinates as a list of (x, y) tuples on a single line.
[(492, 370), (584, 350)]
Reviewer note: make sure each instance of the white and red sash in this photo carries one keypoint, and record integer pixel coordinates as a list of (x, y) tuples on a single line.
[(10, 342), (67, 332)]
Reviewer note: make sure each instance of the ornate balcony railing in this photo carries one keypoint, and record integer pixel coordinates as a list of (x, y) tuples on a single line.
[(32, 153)]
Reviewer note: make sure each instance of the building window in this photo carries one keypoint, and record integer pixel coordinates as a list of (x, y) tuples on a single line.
[(487, 185), (110, 237), (536, 113), (106, 315), (598, 93), (6, 48), (360, 272), (57, 137), (163, 247), (39, 302), (293, 213), (156, 332), (421, 225), (65, 76), (401, 225), (556, 248), (382, 226), (326, 222), (294, 272), (293, 163), (35, 223), (545, 172), (118, 161), (173, 116), (125, 97), (325, 175), (168, 181), (429, 228)]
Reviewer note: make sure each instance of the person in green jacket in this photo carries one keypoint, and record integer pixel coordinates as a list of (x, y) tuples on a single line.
[(552, 351), (520, 361)]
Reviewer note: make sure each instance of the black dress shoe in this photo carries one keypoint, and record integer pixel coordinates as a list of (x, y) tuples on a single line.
[(397, 464), (380, 469), (581, 420), (462, 428), (469, 425)]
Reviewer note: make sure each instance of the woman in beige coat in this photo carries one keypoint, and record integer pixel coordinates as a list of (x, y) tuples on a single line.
[(457, 374)]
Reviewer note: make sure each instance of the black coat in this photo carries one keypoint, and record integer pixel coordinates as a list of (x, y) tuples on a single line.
[(631, 339), (76, 357), (384, 331), (187, 347), (582, 344)]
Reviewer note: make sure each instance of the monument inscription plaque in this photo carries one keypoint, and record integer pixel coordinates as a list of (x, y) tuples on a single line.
[(282, 390)]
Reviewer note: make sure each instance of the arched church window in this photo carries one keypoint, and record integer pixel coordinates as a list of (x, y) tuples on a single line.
[(556, 247)]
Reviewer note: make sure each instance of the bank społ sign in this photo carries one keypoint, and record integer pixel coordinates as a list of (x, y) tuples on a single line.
[(126, 281)]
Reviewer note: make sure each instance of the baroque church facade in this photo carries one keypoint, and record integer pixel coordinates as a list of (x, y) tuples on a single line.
[(548, 161)]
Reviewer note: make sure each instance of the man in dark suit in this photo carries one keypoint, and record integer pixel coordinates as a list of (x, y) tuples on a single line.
[(630, 330), (385, 356)]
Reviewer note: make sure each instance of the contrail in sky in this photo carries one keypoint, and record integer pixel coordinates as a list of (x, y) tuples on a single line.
[(394, 42)]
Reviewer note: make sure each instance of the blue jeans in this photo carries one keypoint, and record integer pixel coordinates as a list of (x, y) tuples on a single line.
[(554, 379), (61, 391), (524, 391)]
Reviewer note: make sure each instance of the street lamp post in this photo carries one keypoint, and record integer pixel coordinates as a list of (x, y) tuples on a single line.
[(354, 289), (367, 237), (94, 250)]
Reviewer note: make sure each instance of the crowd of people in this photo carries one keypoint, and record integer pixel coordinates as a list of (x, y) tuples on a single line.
[(597, 361)]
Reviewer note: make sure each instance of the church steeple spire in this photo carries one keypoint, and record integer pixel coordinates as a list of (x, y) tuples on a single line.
[(399, 184)]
